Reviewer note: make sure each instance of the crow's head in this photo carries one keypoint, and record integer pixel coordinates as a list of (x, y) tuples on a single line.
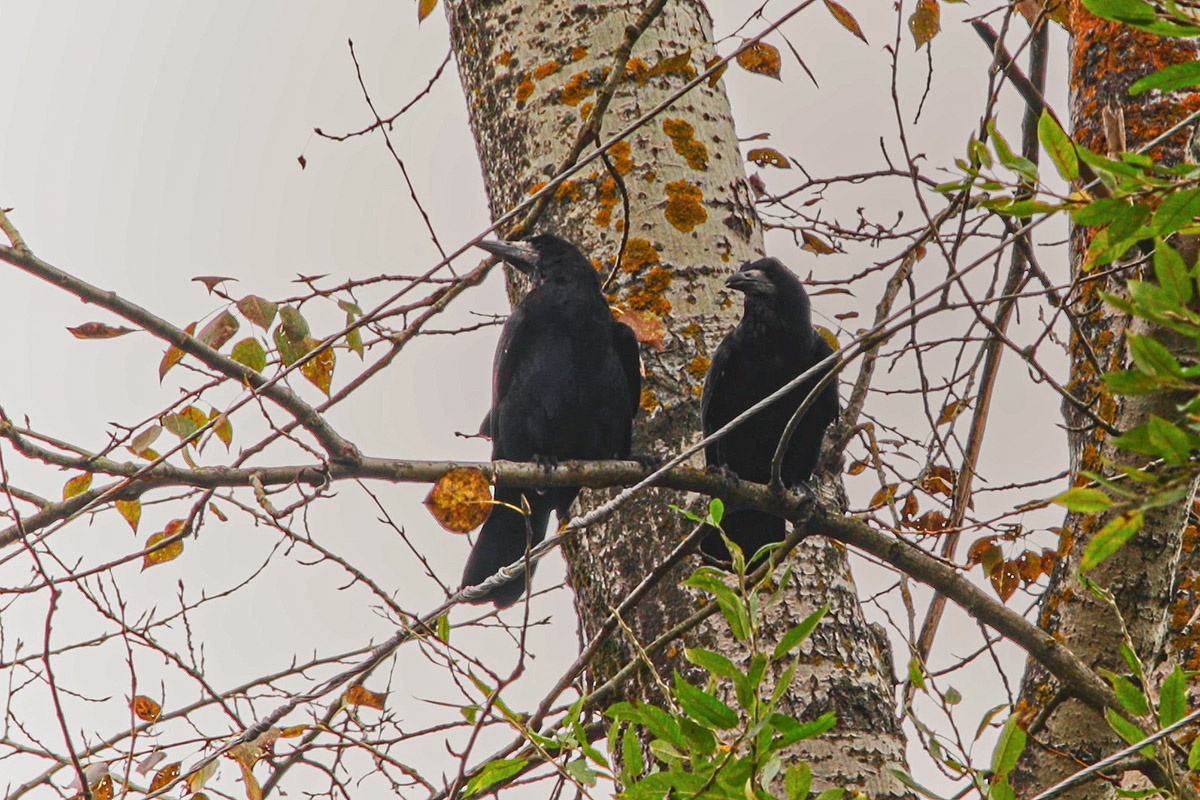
[(542, 257), (768, 284)]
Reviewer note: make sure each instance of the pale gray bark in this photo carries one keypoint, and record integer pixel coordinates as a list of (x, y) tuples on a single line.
[(529, 70)]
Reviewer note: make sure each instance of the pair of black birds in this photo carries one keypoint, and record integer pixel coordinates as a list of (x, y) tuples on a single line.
[(566, 384)]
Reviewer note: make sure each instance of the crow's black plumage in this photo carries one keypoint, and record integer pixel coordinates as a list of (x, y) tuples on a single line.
[(565, 385), (772, 344)]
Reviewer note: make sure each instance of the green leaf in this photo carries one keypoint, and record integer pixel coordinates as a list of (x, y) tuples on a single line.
[(1127, 731), (1194, 755), (580, 771), (1129, 11), (249, 353), (832, 794), (1059, 147), (700, 739), (259, 311), (1172, 700), (1100, 211), (798, 780), (952, 697), (1152, 358), (1009, 747), (799, 633), (1001, 790), (791, 731), (702, 706), (293, 323), (1171, 272), (631, 755), (1131, 696), (716, 511), (908, 781), (1168, 79), (732, 606), (1018, 164), (1131, 660), (1127, 223), (1085, 500), (1111, 538), (493, 772), (916, 675), (1131, 382), (443, 627), (1176, 210), (1170, 441)]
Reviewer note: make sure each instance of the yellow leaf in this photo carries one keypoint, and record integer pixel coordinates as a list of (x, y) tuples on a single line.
[(319, 368), (146, 709), (425, 8), (460, 500), (952, 410), (197, 778), (77, 485), (925, 22), (760, 58), (165, 553), (173, 354), (223, 428), (131, 510)]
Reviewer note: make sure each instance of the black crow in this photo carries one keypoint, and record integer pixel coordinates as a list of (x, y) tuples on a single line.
[(774, 342), (566, 384)]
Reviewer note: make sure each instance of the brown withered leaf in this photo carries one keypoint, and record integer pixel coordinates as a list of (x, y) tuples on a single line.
[(647, 326), (173, 354), (210, 281), (756, 184), (1049, 559), (856, 468), (768, 157), (716, 76), (984, 551), (762, 59), (165, 553), (164, 776), (358, 695), (145, 709), (1029, 566), (814, 244), (1005, 581), (425, 8), (143, 440), (931, 521), (77, 485), (319, 368), (216, 512), (259, 311), (98, 330), (845, 19), (460, 501), (104, 789), (846, 315), (952, 410), (303, 161), (909, 510), (131, 510), (219, 330), (925, 23)]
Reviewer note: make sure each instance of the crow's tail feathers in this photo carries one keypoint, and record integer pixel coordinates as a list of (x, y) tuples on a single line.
[(749, 529), (502, 541)]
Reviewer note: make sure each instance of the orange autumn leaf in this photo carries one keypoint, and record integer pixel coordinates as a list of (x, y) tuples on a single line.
[(460, 501)]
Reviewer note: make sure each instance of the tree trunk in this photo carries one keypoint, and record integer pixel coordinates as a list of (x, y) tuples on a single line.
[(1064, 734), (531, 73)]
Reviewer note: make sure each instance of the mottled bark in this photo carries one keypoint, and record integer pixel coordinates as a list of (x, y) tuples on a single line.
[(1064, 734), (531, 72)]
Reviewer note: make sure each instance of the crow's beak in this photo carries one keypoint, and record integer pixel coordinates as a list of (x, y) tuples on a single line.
[(750, 280), (521, 255)]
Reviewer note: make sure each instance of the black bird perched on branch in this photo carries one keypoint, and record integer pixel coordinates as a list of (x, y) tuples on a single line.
[(566, 384), (772, 345)]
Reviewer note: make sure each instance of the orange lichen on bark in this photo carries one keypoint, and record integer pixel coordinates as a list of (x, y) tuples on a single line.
[(639, 253), (524, 90), (568, 190), (586, 109), (546, 70), (505, 58), (649, 400), (537, 187), (576, 89), (578, 53), (621, 155), (606, 195), (683, 138), (698, 367), (684, 210), (636, 68)]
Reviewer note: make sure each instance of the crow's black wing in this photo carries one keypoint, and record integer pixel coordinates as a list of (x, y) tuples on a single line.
[(717, 404)]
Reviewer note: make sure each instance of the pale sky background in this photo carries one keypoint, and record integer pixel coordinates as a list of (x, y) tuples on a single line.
[(145, 143)]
